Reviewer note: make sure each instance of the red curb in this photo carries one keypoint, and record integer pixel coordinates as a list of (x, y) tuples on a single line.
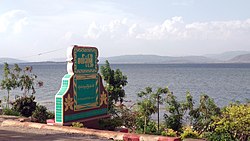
[(131, 137), (168, 139)]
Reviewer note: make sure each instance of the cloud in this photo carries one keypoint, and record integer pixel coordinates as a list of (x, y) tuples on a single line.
[(174, 29), (170, 27), (17, 27), (14, 19), (114, 29)]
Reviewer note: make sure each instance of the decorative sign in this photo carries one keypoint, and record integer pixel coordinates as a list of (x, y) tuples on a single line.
[(82, 95), (85, 60)]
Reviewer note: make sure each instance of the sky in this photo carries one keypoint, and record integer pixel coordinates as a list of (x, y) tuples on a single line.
[(42, 30)]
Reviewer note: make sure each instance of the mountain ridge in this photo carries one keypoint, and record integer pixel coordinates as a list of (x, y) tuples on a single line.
[(157, 59)]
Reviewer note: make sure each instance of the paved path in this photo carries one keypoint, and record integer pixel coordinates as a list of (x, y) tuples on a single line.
[(33, 134)]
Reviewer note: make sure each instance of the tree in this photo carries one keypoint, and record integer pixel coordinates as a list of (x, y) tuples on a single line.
[(203, 114), (10, 79), (17, 78), (115, 83), (27, 81), (159, 99), (174, 115), (189, 110), (146, 106)]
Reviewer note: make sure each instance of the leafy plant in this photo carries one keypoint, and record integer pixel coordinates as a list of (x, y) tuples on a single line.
[(203, 114), (115, 83), (189, 133), (50, 115), (169, 133), (127, 116), (145, 107), (77, 124), (25, 105), (40, 114), (11, 112), (219, 136), (110, 123), (234, 121), (159, 100), (16, 77), (174, 115), (10, 80), (27, 81)]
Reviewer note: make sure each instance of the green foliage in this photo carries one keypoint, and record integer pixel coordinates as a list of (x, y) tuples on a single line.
[(203, 114), (16, 77), (174, 115), (10, 80), (169, 133), (127, 116), (235, 121), (25, 105), (217, 136), (77, 125), (189, 133), (115, 83), (159, 99), (11, 112), (40, 114), (145, 107), (110, 123), (50, 115)]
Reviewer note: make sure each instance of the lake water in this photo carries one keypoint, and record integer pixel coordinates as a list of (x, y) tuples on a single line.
[(222, 82)]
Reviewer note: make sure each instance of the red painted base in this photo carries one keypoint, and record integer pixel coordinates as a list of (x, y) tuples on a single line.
[(92, 122)]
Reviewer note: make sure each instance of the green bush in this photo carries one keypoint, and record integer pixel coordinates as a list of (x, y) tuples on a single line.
[(189, 133), (110, 123), (50, 115), (77, 124), (234, 122), (11, 112), (219, 136), (25, 105), (40, 114), (169, 133)]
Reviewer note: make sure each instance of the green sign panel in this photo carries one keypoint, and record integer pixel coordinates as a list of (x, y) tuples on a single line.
[(86, 91), (85, 60)]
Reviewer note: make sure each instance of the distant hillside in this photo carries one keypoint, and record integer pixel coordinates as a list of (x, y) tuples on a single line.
[(10, 60), (154, 59), (226, 55), (245, 58)]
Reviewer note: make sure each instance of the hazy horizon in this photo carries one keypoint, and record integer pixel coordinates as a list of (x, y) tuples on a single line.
[(41, 31)]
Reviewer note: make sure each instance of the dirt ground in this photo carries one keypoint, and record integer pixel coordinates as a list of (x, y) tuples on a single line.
[(32, 134)]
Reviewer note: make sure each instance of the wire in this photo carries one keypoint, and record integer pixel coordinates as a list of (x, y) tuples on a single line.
[(39, 54), (42, 53)]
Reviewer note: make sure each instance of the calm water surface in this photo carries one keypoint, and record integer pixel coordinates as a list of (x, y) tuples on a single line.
[(223, 82)]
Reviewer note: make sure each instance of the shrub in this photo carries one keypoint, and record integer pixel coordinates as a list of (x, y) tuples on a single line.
[(50, 115), (234, 121), (40, 114), (219, 136), (189, 133), (77, 124), (169, 133), (25, 105), (110, 123), (12, 112)]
